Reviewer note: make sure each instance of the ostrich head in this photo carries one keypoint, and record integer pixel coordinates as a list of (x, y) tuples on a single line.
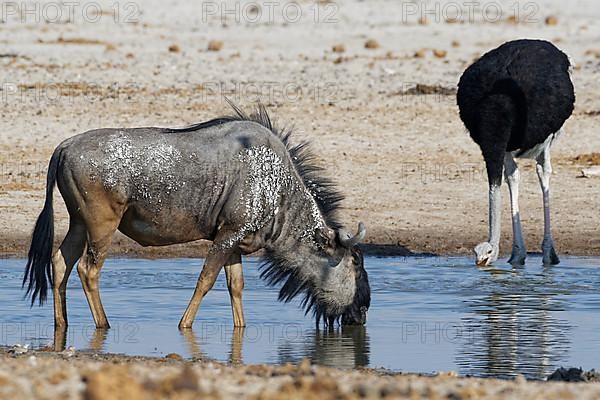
[(486, 253)]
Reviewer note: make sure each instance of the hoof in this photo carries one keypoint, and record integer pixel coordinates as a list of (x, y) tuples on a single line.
[(516, 260), (517, 257), (550, 257)]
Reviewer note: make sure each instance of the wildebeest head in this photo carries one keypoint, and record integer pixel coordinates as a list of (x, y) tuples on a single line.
[(344, 247)]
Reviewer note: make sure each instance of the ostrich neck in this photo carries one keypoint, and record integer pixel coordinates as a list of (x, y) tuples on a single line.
[(495, 210)]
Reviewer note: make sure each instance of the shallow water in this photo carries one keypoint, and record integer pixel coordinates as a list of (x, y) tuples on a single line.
[(427, 314)]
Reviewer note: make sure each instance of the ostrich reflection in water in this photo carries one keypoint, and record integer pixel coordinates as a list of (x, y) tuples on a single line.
[(512, 329)]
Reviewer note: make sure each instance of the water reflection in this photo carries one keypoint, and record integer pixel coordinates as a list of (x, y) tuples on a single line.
[(342, 347), (235, 346), (513, 328), (96, 338), (526, 320)]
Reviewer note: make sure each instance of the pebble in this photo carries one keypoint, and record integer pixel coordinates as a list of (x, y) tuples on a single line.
[(338, 48), (215, 45), (371, 44), (440, 53), (174, 356)]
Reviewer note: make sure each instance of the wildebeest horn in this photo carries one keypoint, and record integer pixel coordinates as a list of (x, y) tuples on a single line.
[(347, 241)]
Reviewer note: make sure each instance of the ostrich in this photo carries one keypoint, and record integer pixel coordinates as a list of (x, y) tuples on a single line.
[(514, 101)]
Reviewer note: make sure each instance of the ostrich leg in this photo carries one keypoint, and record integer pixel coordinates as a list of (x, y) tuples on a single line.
[(511, 172), (544, 171)]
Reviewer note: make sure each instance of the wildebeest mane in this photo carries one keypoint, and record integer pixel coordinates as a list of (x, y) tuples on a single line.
[(277, 269), (323, 189)]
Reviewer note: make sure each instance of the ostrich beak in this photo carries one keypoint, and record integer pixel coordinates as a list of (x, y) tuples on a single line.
[(483, 262)]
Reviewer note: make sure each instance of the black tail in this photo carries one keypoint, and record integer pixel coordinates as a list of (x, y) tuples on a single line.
[(38, 271)]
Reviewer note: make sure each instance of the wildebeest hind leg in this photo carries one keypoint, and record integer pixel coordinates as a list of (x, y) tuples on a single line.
[(99, 238), (215, 260), (235, 284), (63, 261)]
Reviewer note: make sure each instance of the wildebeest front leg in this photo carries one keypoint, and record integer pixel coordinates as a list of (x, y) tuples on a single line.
[(235, 284), (216, 259)]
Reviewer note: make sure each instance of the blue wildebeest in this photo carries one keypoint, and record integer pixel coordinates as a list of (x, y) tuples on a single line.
[(234, 180)]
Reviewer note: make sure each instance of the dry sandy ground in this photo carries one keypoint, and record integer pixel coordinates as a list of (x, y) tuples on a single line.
[(403, 158), (50, 376)]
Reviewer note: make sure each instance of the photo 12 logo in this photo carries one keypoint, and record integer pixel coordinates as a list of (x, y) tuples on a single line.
[(270, 92), (270, 12), (63, 92), (469, 11), (60, 12)]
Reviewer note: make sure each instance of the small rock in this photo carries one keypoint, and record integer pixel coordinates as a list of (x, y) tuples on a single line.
[(305, 366), (338, 48), (187, 380), (439, 53), (551, 20), (112, 382), (590, 172), (363, 390), (447, 374), (455, 43), (371, 44), (19, 349), (68, 352), (174, 48), (595, 53), (174, 356), (215, 45), (567, 375), (420, 53)]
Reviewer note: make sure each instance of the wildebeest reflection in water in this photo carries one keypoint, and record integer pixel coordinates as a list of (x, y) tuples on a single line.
[(346, 347), (236, 342), (512, 331)]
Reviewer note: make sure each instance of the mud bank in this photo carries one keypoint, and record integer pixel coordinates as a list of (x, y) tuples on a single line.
[(47, 375)]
